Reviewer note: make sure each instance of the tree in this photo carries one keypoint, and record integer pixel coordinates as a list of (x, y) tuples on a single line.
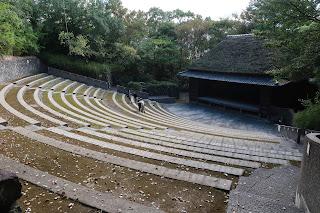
[(294, 28), (160, 58), (136, 28), (91, 19), (193, 38), (17, 36)]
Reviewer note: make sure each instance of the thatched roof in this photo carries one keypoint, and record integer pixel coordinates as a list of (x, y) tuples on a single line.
[(241, 54)]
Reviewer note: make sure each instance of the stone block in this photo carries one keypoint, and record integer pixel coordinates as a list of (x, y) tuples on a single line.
[(10, 188)]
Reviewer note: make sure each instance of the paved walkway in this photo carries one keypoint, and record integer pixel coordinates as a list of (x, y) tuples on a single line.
[(267, 191)]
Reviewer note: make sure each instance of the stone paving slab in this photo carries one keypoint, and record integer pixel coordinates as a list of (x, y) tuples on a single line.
[(266, 190), (247, 202), (152, 155), (140, 166), (79, 193)]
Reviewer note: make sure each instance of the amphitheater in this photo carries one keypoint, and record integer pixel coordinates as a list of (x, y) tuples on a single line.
[(78, 148)]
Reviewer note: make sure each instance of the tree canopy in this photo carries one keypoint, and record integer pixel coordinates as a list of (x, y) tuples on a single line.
[(157, 44), (294, 28)]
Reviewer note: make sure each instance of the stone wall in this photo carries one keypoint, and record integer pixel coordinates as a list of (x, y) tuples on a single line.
[(307, 196), (17, 67), (79, 78), (122, 89)]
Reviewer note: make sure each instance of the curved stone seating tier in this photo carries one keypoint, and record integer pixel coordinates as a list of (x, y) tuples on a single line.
[(222, 141), (154, 115), (256, 143), (55, 104), (198, 127), (221, 129), (36, 96), (169, 150), (261, 155), (48, 83), (147, 154), (75, 91), (119, 116), (205, 149), (36, 112), (88, 91), (134, 114), (29, 78), (77, 115), (105, 203), (102, 113), (69, 86), (95, 94), (62, 95), (13, 111), (3, 122), (93, 114), (140, 166), (159, 120)]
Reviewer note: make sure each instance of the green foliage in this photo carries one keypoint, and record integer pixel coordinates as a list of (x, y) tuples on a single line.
[(77, 45), (79, 66), (97, 29), (17, 36), (161, 84), (134, 85), (308, 118), (294, 27)]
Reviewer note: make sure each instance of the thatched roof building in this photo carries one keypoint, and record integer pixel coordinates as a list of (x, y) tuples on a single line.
[(238, 58), (234, 74)]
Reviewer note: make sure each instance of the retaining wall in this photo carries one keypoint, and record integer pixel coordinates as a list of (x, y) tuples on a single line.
[(307, 195), (290, 132), (12, 68), (122, 89), (78, 78)]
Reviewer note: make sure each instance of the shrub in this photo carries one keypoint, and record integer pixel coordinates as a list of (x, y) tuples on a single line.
[(308, 118), (161, 84), (134, 85), (79, 66)]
